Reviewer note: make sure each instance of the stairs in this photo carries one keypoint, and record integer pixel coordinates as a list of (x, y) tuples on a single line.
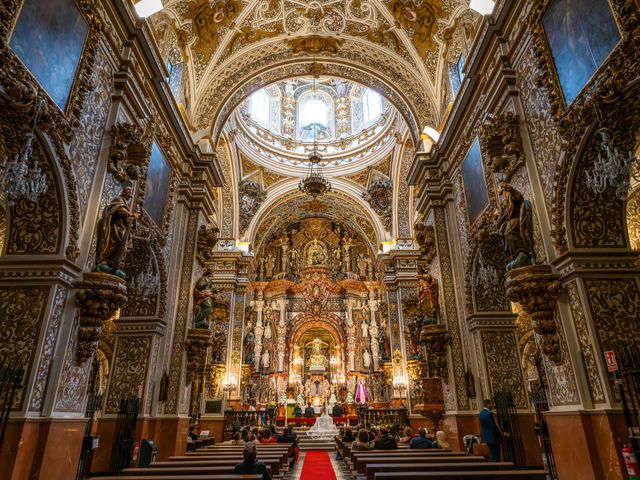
[(305, 443)]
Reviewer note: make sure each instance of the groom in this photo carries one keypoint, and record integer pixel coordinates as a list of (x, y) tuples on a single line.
[(309, 412)]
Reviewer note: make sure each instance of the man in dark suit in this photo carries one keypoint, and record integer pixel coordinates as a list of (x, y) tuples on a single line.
[(385, 442), (251, 465), (309, 412), (297, 412), (337, 410), (490, 431), (421, 441)]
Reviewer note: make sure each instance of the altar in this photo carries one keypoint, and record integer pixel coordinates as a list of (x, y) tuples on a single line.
[(339, 421)]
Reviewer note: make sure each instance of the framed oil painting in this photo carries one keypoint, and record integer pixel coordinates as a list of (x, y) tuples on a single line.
[(581, 34), (157, 187), (49, 38), (475, 187)]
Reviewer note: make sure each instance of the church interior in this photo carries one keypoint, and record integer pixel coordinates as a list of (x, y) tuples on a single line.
[(219, 216)]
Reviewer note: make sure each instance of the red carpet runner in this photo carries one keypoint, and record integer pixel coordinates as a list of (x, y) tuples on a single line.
[(317, 465)]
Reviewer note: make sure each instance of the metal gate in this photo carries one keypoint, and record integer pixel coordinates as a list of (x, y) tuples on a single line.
[(540, 404), (629, 388), (93, 405), (512, 447), (124, 435), (10, 382)]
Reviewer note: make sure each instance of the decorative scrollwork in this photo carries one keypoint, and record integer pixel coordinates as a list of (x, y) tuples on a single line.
[(536, 290), (436, 339), (379, 195), (130, 150), (198, 340), (250, 196), (206, 243), (500, 140), (99, 296)]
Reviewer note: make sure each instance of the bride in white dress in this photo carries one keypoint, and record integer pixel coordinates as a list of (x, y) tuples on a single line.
[(324, 427)]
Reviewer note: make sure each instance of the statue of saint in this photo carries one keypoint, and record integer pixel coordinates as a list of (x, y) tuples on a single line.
[(317, 359), (365, 328), (366, 359), (203, 300), (514, 218), (428, 298), (270, 265), (346, 252), (249, 343), (266, 360), (113, 232), (267, 330), (362, 266), (316, 254)]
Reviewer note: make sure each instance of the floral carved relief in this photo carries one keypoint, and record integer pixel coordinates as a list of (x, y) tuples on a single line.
[(504, 369), (129, 372)]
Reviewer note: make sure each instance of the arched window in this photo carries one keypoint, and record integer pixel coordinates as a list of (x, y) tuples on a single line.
[(260, 106), (371, 106), (314, 117)]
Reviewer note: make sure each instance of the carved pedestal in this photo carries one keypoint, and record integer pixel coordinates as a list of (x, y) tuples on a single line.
[(436, 338), (536, 290), (198, 340), (99, 297)]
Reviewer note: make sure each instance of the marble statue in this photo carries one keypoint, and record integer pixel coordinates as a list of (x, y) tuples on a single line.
[(266, 360), (364, 328), (515, 224), (113, 233), (267, 330), (270, 265), (249, 343), (366, 359), (203, 293), (316, 254)]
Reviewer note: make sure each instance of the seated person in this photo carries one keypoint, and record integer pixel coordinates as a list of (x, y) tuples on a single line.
[(192, 433), (309, 412), (237, 439), (348, 436), (289, 437), (297, 412), (362, 442), (408, 435), (393, 433), (421, 441), (337, 410), (385, 442), (441, 441), (371, 433), (267, 437), (251, 465)]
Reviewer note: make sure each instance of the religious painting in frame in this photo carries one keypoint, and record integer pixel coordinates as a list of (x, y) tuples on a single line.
[(49, 37), (475, 187), (581, 34), (157, 185)]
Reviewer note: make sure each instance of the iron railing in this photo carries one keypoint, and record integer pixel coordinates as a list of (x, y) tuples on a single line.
[(507, 413), (538, 398), (94, 403), (628, 381), (124, 435)]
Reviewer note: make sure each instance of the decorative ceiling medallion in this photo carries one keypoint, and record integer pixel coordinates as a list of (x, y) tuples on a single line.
[(314, 44)]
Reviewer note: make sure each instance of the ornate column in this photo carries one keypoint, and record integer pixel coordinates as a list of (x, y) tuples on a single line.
[(281, 304), (258, 306), (351, 335), (373, 324)]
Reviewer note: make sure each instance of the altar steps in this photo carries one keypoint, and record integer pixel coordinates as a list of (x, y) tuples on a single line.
[(305, 443)]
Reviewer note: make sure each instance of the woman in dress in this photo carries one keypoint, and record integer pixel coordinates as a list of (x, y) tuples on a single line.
[(324, 427)]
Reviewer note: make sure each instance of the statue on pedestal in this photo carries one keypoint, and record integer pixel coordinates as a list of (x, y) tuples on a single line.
[(113, 233), (515, 224), (204, 294)]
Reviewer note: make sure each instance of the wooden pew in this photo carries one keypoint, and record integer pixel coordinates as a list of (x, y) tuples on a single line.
[(180, 462), (400, 467), (461, 475), (361, 462), (145, 473), (410, 453), (228, 476)]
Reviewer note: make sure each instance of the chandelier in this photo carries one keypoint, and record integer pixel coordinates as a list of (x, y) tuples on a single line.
[(611, 169), (315, 184), (17, 178), (486, 274)]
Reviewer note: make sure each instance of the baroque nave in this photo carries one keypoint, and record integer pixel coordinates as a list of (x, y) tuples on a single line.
[(219, 215)]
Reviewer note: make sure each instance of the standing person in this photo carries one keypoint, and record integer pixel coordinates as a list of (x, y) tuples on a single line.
[(251, 465), (309, 412), (490, 431), (337, 410)]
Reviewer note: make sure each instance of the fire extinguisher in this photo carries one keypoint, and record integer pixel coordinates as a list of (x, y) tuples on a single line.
[(631, 462), (135, 452)]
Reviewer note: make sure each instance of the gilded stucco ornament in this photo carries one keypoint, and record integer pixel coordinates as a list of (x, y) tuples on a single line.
[(206, 243), (535, 288), (98, 297), (379, 195), (250, 197), (198, 340), (500, 140), (426, 238), (314, 44), (130, 150)]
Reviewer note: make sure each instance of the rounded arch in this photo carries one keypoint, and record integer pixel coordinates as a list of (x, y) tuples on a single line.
[(216, 103), (283, 194), (304, 321)]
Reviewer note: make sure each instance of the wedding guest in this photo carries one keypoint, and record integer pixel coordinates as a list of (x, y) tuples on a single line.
[(408, 435)]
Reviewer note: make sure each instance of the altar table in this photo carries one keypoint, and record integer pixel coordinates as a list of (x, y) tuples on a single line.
[(312, 420)]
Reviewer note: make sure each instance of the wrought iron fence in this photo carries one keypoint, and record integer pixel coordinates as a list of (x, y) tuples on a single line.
[(538, 398), (628, 382), (93, 405), (124, 435), (11, 374), (507, 413)]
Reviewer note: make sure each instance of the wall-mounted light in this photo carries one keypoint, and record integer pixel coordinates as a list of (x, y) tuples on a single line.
[(146, 8), (483, 7)]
